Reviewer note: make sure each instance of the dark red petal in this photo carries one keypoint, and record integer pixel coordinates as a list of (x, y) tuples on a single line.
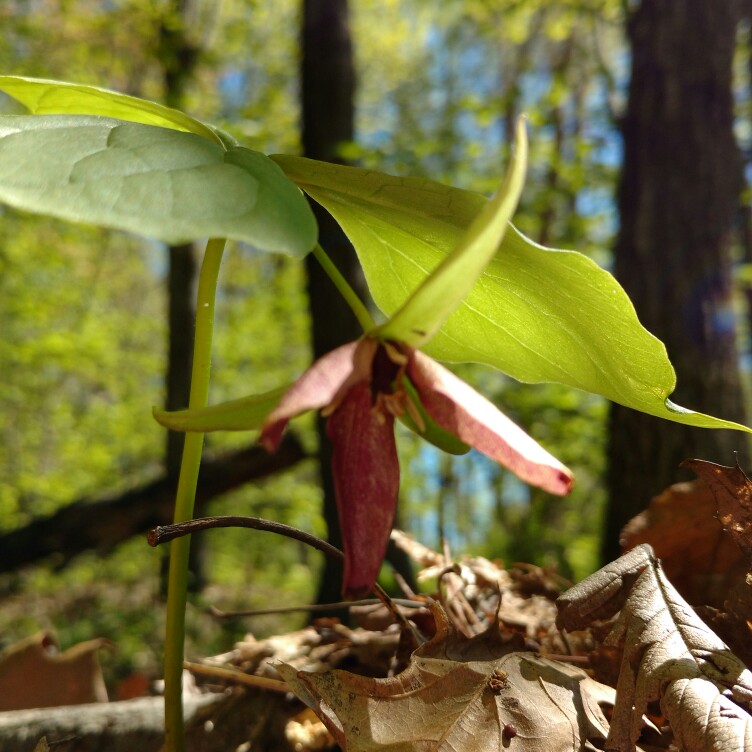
[(316, 388), (461, 411), (366, 482)]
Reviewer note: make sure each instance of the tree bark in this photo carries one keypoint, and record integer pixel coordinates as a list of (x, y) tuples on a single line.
[(678, 193), (179, 56), (327, 91), (328, 113)]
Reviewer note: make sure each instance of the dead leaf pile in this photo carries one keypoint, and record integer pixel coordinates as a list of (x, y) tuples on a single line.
[(477, 670), (325, 645), (463, 695), (498, 670), (669, 655), (697, 555), (475, 591)]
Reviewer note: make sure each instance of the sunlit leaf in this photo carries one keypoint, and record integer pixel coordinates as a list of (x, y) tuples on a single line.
[(166, 184), (535, 313), (44, 97)]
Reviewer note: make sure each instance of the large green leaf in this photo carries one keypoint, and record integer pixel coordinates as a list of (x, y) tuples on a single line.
[(167, 184), (44, 97), (535, 313)]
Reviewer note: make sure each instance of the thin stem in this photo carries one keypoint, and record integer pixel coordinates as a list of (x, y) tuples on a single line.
[(311, 608), (351, 298), (177, 582), (237, 676), (183, 529)]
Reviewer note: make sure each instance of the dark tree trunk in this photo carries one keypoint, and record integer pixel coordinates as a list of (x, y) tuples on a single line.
[(679, 190), (179, 56), (182, 278), (327, 91)]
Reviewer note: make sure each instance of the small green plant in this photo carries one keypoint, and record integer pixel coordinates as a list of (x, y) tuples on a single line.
[(453, 278)]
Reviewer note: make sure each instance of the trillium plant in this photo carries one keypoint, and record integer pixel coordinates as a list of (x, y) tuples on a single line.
[(453, 280), (363, 387)]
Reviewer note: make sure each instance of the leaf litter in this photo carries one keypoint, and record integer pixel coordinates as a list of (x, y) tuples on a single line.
[(504, 665)]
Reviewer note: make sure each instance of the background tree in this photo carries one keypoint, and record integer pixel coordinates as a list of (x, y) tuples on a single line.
[(677, 199), (327, 87)]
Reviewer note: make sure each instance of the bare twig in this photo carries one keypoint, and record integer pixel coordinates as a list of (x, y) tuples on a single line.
[(239, 677), (165, 533)]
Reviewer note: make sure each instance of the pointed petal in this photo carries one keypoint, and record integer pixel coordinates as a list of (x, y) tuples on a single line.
[(459, 409), (366, 482), (316, 388)]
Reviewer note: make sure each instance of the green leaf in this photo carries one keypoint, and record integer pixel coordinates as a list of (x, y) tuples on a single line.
[(43, 97), (449, 283), (538, 314), (245, 414), (166, 184)]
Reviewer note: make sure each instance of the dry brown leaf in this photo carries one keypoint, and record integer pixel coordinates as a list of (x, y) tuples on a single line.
[(670, 655), (698, 556), (315, 648), (733, 494), (472, 586), (34, 674), (444, 701), (732, 623)]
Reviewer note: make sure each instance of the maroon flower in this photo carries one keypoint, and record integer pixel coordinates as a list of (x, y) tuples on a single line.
[(360, 386)]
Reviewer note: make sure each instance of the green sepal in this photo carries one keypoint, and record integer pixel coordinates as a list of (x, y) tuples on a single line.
[(442, 291), (244, 414), (433, 433)]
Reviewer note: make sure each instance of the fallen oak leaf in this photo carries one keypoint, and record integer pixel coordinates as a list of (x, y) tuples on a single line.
[(733, 494), (706, 715), (442, 704), (669, 655), (699, 557), (732, 622)]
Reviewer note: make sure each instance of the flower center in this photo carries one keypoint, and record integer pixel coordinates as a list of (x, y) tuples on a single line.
[(384, 372), (387, 393)]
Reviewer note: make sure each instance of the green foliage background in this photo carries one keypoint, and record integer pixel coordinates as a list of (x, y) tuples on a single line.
[(83, 343)]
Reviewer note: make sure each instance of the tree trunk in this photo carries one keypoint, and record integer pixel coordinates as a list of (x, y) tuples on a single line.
[(328, 112), (677, 197), (179, 56), (327, 90)]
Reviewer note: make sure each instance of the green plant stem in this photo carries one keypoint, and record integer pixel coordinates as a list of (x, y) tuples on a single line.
[(356, 304), (177, 582)]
